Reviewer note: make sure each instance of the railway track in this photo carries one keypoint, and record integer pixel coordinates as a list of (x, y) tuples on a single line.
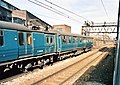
[(64, 75)]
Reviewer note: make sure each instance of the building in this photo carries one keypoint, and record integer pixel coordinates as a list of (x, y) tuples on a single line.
[(6, 11), (30, 20), (13, 14), (62, 28)]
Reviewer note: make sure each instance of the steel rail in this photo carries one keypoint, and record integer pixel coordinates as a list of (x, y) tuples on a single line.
[(41, 80), (105, 54)]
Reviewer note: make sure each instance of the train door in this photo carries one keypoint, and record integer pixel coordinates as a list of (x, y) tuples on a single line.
[(74, 42), (53, 43), (58, 43), (38, 43), (50, 43), (25, 44), (21, 44)]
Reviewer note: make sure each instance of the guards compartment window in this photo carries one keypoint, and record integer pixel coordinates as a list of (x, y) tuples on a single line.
[(29, 38), (69, 39), (64, 39), (1, 38), (51, 40), (74, 40), (47, 39), (21, 38), (80, 39)]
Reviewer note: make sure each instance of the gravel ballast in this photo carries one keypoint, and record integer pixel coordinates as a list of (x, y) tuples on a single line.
[(102, 74)]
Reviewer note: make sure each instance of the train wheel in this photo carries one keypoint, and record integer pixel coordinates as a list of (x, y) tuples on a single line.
[(20, 67), (51, 60), (40, 64), (27, 67)]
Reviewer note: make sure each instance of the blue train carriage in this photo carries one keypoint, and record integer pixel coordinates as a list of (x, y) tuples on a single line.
[(50, 55), (88, 43), (22, 48), (80, 44), (67, 44)]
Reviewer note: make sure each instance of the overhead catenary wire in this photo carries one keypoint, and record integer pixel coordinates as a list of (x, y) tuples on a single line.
[(66, 10), (47, 8), (58, 11), (54, 10), (104, 8), (51, 17), (51, 7)]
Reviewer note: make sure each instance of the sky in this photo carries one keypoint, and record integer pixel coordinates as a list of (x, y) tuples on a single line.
[(92, 10)]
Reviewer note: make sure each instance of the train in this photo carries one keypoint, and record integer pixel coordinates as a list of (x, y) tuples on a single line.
[(23, 48)]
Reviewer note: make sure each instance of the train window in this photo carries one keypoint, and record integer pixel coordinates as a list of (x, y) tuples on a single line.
[(64, 40), (80, 40), (84, 40), (69, 39), (1, 38), (1, 33), (87, 40), (29, 38), (21, 38), (47, 39), (51, 39), (74, 39)]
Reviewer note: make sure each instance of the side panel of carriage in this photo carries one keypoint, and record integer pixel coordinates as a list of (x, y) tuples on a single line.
[(88, 42), (8, 45), (91, 42), (67, 43), (80, 42), (38, 43), (74, 42), (58, 43)]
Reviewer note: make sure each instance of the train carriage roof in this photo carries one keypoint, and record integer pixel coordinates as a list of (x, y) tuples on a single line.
[(19, 27), (69, 34), (13, 26)]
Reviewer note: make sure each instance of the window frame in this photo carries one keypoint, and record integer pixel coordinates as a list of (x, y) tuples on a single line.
[(69, 39), (74, 39), (80, 39), (23, 43), (2, 35), (64, 39), (29, 38), (47, 40), (51, 38)]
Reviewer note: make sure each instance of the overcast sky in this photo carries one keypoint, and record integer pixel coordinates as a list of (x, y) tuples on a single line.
[(91, 9)]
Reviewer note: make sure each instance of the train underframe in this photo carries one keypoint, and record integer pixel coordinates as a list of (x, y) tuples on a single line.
[(24, 65)]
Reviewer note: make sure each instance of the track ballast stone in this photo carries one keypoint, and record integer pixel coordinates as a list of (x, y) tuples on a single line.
[(102, 74)]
